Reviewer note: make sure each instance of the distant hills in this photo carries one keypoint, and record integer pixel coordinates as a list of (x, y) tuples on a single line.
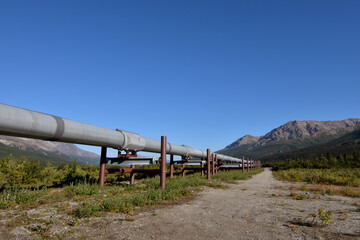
[(299, 139), (56, 153)]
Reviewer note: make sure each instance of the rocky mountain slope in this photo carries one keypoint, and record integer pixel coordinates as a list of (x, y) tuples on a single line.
[(346, 144), (45, 151), (291, 136)]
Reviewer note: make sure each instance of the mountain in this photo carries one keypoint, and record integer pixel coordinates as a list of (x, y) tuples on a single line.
[(346, 144), (56, 153), (245, 140), (291, 136)]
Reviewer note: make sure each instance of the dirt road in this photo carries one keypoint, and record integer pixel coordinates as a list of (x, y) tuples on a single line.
[(259, 208)]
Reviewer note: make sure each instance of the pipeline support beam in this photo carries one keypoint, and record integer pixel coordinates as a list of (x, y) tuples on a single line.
[(163, 163), (102, 166)]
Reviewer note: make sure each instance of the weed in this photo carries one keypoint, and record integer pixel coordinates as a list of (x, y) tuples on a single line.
[(14, 196), (73, 222), (322, 215), (304, 188), (81, 189), (39, 229), (351, 192), (87, 209), (130, 218)]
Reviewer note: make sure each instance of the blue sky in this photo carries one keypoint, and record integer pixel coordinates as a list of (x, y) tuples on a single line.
[(203, 73)]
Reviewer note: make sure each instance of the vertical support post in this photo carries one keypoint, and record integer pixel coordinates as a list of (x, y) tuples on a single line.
[(163, 163), (243, 164), (102, 166), (183, 171), (202, 170), (208, 163), (171, 166), (217, 164), (247, 165), (132, 175), (213, 163)]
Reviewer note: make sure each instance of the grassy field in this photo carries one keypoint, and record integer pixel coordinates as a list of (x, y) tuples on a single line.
[(88, 199), (335, 181)]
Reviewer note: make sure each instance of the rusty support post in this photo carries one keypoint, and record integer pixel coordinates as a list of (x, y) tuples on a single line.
[(163, 163), (213, 163), (102, 166), (132, 175), (247, 165), (243, 164), (202, 166), (171, 166), (217, 164), (208, 164), (183, 171)]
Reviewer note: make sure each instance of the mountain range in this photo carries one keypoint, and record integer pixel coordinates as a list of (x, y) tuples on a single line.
[(55, 153), (298, 138)]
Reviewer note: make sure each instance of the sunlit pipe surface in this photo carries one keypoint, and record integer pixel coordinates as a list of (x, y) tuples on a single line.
[(21, 122)]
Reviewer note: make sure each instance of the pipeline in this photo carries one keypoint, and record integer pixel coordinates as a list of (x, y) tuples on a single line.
[(21, 122)]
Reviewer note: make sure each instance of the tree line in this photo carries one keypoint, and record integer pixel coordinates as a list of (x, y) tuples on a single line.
[(327, 161), (23, 172)]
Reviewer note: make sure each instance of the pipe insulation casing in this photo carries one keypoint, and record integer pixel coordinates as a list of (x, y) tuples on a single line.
[(25, 123)]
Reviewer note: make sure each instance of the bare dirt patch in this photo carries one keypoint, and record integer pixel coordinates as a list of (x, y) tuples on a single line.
[(259, 208)]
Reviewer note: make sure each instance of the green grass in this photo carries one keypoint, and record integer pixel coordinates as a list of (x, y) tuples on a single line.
[(21, 196), (233, 176), (122, 197), (341, 177), (344, 181)]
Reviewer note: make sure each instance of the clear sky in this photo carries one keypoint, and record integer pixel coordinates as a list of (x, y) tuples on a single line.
[(203, 73)]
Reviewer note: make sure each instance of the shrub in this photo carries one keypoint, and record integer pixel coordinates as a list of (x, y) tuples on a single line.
[(82, 189), (12, 196), (87, 209)]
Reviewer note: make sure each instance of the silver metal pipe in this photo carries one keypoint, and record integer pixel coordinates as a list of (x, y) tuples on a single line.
[(21, 122)]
